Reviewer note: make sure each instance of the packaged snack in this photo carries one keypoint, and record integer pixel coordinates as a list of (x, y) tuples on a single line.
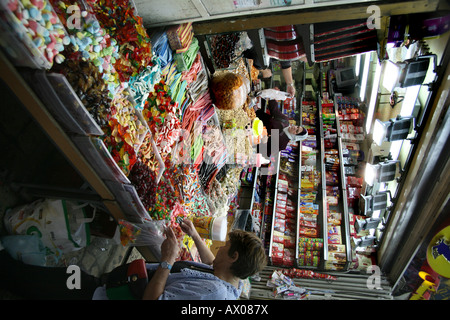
[(336, 248), (280, 225), (289, 242), (334, 239), (282, 197), (230, 90), (277, 247), (309, 224), (307, 232), (278, 237)]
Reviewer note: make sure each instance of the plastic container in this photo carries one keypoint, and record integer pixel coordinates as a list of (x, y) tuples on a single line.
[(61, 101), (16, 43), (211, 227), (96, 153), (129, 201), (73, 104)]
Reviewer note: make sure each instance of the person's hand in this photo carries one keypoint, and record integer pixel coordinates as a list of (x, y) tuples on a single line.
[(169, 247), (291, 90), (188, 227)]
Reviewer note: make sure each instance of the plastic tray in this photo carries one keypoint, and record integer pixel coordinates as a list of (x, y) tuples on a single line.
[(73, 104), (128, 199), (96, 153), (62, 102)]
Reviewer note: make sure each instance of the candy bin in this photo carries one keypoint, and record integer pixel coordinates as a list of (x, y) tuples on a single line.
[(32, 34)]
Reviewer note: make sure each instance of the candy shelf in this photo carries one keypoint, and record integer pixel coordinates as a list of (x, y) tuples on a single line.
[(63, 103), (60, 137), (95, 151), (128, 199), (313, 250)]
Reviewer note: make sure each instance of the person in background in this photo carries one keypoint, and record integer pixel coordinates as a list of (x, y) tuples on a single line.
[(266, 73), (277, 120)]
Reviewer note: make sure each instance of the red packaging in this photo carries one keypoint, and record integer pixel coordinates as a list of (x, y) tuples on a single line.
[(278, 254), (309, 224), (288, 261), (278, 237), (277, 247), (280, 225), (280, 215), (289, 242), (282, 197)]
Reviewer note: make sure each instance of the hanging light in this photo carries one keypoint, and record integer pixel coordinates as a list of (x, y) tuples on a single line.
[(392, 130), (368, 204), (380, 172), (408, 73)]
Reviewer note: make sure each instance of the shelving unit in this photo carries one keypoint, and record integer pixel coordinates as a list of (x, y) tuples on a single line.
[(321, 241)]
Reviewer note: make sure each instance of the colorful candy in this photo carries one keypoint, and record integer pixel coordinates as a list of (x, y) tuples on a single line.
[(37, 21), (121, 22)]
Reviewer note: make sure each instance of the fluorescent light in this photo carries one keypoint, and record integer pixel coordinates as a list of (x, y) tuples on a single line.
[(365, 76), (357, 64), (373, 97), (370, 174), (395, 149), (379, 132), (391, 74), (409, 101)]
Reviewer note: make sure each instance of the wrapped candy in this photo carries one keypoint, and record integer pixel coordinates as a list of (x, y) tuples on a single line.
[(308, 274), (39, 27), (119, 19), (148, 233), (162, 116)]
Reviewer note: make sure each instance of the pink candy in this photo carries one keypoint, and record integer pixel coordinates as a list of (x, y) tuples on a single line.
[(35, 16)]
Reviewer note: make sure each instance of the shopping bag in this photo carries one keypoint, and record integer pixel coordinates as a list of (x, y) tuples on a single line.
[(61, 225), (273, 94), (26, 248)]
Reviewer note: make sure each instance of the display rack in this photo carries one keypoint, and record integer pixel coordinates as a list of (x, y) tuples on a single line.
[(64, 141), (325, 263)]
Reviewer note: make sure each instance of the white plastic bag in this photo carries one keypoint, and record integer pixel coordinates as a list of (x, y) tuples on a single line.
[(272, 94), (147, 233), (26, 248), (61, 225)]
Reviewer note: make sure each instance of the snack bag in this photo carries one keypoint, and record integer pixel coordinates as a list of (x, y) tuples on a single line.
[(230, 90)]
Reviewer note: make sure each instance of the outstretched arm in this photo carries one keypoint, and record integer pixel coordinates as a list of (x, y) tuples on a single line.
[(287, 75), (205, 253), (169, 252)]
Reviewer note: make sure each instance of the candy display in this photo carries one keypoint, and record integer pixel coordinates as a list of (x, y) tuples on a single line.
[(285, 288), (38, 27), (185, 140), (118, 18), (92, 41), (88, 84)]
